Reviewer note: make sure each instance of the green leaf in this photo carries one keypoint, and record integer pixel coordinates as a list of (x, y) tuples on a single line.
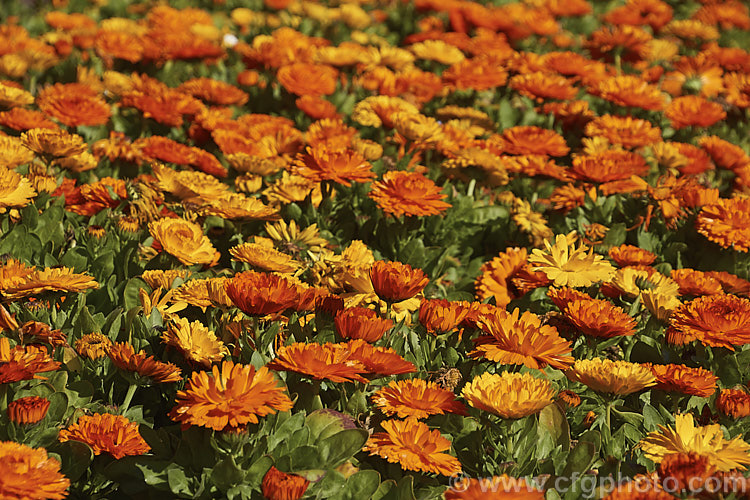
[(76, 457), (341, 446), (584, 454), (553, 430), (226, 474), (178, 482)]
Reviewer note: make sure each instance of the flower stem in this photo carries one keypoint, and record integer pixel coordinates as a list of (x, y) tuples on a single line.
[(128, 397)]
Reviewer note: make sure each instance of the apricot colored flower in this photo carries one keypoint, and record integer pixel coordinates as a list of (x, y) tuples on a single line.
[(113, 434), (29, 473), (727, 223), (521, 339), (493, 488), (630, 91), (124, 357), (708, 441), (599, 318), (93, 345), (509, 395), (441, 316), (197, 343), (378, 361), (259, 294), (629, 255), (617, 377), (339, 165), (326, 361), (416, 398), (693, 111), (495, 280), (479, 73), (612, 165), (566, 265), (541, 85), (316, 107), (624, 130), (394, 281), (694, 282), (724, 153), (229, 398), (408, 193), (28, 410), (15, 190), (361, 323), (308, 79), (277, 485), (714, 320), (264, 257), (13, 153), (55, 279), (73, 104), (183, 239), (53, 142), (530, 140), (687, 471), (411, 444), (734, 403), (684, 379), (214, 91)]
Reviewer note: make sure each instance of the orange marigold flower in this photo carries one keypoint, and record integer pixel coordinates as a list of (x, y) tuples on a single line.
[(441, 316), (629, 255), (733, 402), (378, 361), (478, 73), (73, 104), (326, 361), (111, 44), (25, 119), (727, 223), (259, 294), (493, 488), (214, 91), (93, 345), (618, 377), (361, 323), (342, 166), (30, 473), (183, 239), (509, 395), (394, 281), (416, 398), (609, 166), (414, 446), (279, 485), (654, 13), (530, 140), (28, 410), (625, 130), (681, 378), (124, 357), (516, 338), (724, 153), (599, 318), (316, 107), (630, 91), (694, 111), (685, 471), (731, 283), (236, 395), (495, 280), (408, 193), (113, 434), (540, 86), (23, 362), (694, 282), (629, 41), (714, 320), (308, 79), (570, 398)]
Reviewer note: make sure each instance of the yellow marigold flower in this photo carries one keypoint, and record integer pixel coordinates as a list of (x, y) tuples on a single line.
[(566, 265), (15, 190), (377, 111), (159, 278), (293, 188), (691, 28), (188, 185), (61, 279), (185, 240), (618, 377), (239, 207), (197, 343), (78, 163), (13, 153), (418, 128), (660, 305), (437, 50), (155, 300), (707, 441), (293, 240), (10, 97), (204, 293), (531, 222), (509, 395), (93, 346), (264, 258), (53, 142)]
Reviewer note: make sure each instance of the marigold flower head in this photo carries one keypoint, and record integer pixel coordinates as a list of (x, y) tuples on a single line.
[(258, 294), (708, 441), (684, 379), (73, 104), (414, 446), (493, 488), (361, 323), (11, 97), (308, 79), (156, 278), (183, 239), (342, 166), (727, 223), (327, 361), (624, 130), (683, 469), (229, 398), (529, 140), (28, 410), (694, 111), (29, 473), (416, 398), (724, 153), (509, 395), (53, 142), (277, 485), (197, 343), (734, 402), (541, 85), (629, 255), (694, 282), (93, 345), (441, 316), (394, 281), (691, 28), (378, 361), (495, 280), (566, 265), (124, 357), (113, 434), (714, 320), (606, 166), (630, 91), (617, 377), (264, 257), (599, 318), (408, 193), (13, 153)]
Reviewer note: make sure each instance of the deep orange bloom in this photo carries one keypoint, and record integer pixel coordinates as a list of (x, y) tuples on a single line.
[(629, 41), (530, 140), (111, 44), (694, 282), (319, 163), (234, 396), (308, 79), (361, 323), (440, 316), (23, 119), (609, 166), (414, 446), (625, 130), (630, 91), (731, 283), (279, 485), (258, 294), (516, 338), (733, 402), (495, 280), (681, 378), (124, 357), (727, 223), (629, 255), (701, 71), (113, 434), (714, 320), (73, 104), (316, 108), (686, 471), (724, 153), (394, 281), (28, 473), (493, 488), (599, 318), (378, 361), (214, 91), (326, 361), (23, 362), (478, 73), (541, 86), (694, 111), (408, 193), (28, 410), (416, 398), (654, 13)]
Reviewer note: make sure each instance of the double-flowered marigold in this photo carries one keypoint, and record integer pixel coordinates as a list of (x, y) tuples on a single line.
[(493, 488), (734, 402), (684, 379), (714, 320), (707, 441), (326, 361), (183, 239), (414, 446), (727, 223), (416, 398), (28, 473), (408, 193), (124, 357), (509, 395), (53, 142), (229, 398), (28, 410), (694, 111), (441, 316), (343, 166), (264, 257), (394, 281), (258, 294), (361, 323), (113, 434), (599, 318), (23, 362), (197, 343), (617, 377), (521, 339), (566, 265)]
